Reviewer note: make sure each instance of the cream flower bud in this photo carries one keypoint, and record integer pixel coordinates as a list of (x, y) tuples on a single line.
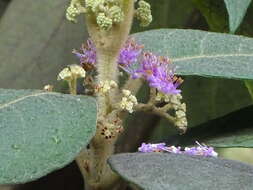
[(48, 88), (71, 13), (144, 13), (126, 92), (180, 113), (128, 101), (113, 84), (74, 10), (77, 71), (174, 100), (183, 107), (133, 99), (105, 86), (104, 22), (93, 5), (116, 14), (71, 72), (65, 74)]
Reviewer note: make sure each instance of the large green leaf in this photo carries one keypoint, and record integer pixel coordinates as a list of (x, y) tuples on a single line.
[(236, 10), (36, 42), (41, 132), (202, 53), (160, 171)]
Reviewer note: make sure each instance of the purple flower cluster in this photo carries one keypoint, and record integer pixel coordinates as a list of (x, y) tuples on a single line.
[(201, 150), (158, 71), (130, 53), (88, 55), (152, 147)]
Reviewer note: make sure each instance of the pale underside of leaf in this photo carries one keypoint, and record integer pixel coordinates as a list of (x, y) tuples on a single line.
[(236, 11)]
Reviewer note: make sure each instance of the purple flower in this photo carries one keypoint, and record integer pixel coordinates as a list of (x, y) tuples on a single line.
[(88, 55), (152, 147), (159, 72), (130, 53), (201, 150), (173, 149)]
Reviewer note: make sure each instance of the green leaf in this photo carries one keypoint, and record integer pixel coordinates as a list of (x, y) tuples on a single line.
[(41, 132), (215, 14), (160, 171), (36, 43), (202, 53), (236, 10), (249, 85), (232, 130), (241, 138)]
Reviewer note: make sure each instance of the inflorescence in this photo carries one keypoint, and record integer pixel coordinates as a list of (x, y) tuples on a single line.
[(158, 71), (107, 12), (200, 150)]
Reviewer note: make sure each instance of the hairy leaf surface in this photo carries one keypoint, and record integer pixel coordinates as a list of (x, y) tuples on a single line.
[(41, 132), (160, 171), (236, 11), (202, 53)]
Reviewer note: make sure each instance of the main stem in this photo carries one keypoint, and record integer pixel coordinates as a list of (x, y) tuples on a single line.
[(93, 162)]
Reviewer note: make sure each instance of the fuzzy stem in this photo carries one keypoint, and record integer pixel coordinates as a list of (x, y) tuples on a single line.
[(72, 86), (133, 85), (153, 109), (93, 162)]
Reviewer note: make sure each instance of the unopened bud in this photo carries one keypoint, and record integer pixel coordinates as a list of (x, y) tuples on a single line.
[(104, 22), (144, 13)]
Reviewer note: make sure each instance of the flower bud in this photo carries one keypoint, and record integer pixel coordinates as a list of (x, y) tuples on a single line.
[(71, 72), (104, 22), (116, 14), (144, 13)]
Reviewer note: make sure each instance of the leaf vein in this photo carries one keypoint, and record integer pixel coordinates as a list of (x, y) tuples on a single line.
[(211, 56), (21, 99)]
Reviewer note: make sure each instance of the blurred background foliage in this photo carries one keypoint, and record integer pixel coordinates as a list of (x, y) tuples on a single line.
[(36, 43)]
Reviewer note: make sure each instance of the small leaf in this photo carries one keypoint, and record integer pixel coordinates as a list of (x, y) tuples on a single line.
[(249, 85), (202, 53), (41, 132), (160, 171), (236, 11)]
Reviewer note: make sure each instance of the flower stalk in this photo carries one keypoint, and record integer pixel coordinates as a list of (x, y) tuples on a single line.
[(108, 43)]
